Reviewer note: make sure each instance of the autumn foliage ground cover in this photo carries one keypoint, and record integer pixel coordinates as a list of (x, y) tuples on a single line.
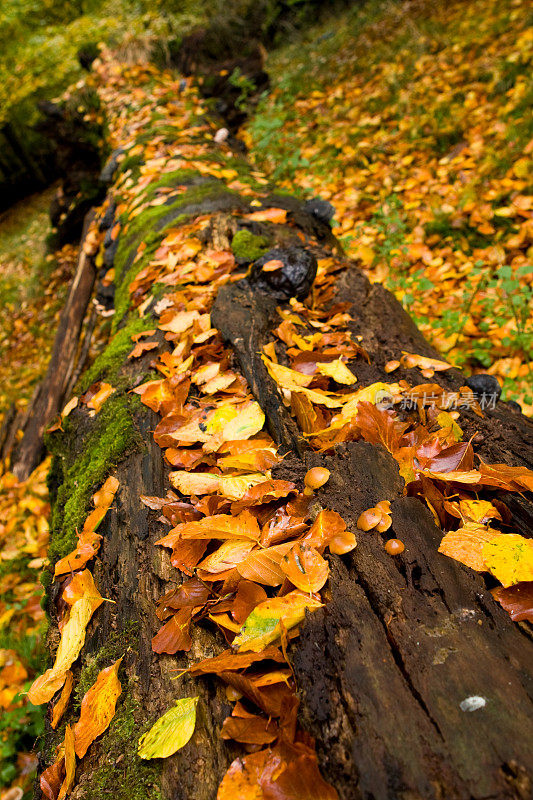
[(250, 548), (414, 120)]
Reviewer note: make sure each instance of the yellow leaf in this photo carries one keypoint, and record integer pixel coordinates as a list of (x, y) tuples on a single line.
[(372, 394), (72, 639), (284, 376), (234, 488), (509, 557), (171, 732), (478, 511), (446, 421), (466, 544), (338, 371), (248, 421), (97, 708), (189, 483), (262, 626), (70, 764)]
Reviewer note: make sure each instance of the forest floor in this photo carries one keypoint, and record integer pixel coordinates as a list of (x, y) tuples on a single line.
[(412, 120), (32, 291)]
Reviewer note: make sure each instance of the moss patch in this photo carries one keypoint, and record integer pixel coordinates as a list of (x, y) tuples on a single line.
[(247, 246), (111, 437), (108, 364), (116, 645), (123, 775)]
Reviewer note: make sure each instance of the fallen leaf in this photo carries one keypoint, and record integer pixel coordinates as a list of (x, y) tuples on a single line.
[(60, 706), (249, 730), (305, 568), (466, 544), (97, 400), (171, 732), (517, 600), (509, 557), (263, 625), (72, 639), (97, 708)]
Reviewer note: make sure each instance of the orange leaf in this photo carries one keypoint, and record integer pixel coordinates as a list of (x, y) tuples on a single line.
[(517, 600), (219, 526), (249, 730), (276, 215), (97, 708), (60, 706), (263, 565), (305, 568), (88, 540)]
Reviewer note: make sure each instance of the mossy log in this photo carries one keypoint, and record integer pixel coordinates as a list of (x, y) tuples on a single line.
[(383, 667)]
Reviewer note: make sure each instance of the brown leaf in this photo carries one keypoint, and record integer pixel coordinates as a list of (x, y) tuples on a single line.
[(228, 660), (174, 635), (517, 600), (249, 730)]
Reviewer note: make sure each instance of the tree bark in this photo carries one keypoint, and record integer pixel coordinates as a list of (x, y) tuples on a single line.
[(383, 667), (50, 394)]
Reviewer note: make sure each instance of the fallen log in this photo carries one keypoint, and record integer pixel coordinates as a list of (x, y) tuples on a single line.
[(412, 679), (50, 394)]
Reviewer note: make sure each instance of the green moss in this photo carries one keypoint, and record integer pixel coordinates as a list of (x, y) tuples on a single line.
[(113, 435), (129, 778), (247, 246), (108, 364), (151, 226), (117, 643)]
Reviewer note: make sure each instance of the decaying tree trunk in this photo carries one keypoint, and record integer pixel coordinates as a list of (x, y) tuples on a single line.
[(50, 394), (383, 668)]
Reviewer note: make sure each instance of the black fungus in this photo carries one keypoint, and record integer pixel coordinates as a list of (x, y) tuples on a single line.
[(484, 387), (320, 209), (293, 279)]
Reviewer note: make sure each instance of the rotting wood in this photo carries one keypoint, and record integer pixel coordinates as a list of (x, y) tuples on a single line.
[(51, 392)]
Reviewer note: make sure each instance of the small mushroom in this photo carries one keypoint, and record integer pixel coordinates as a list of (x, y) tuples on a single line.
[(394, 547), (315, 478)]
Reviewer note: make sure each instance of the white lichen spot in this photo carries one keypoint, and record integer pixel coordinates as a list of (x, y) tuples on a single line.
[(472, 703)]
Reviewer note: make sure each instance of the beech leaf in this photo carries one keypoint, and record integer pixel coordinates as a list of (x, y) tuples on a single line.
[(171, 732)]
